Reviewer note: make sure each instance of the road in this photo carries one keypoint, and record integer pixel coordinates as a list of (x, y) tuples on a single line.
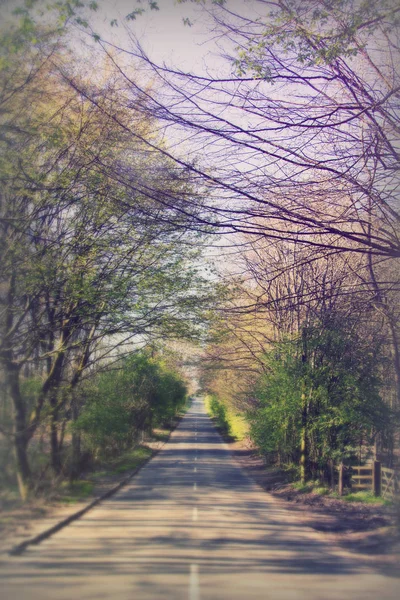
[(191, 526)]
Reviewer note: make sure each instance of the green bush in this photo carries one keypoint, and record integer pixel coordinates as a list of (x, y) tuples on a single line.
[(127, 401), (321, 389), (218, 411)]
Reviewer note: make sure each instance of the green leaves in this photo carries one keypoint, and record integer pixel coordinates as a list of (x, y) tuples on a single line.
[(138, 393), (338, 382), (135, 13), (316, 35)]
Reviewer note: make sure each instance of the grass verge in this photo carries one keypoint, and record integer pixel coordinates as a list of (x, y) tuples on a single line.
[(316, 487), (366, 498), (76, 491), (130, 460), (231, 424), (14, 513)]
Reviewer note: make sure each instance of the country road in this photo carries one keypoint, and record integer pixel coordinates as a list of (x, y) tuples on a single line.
[(191, 526)]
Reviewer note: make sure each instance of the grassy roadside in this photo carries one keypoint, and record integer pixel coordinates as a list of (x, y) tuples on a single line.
[(234, 428), (17, 516), (317, 488), (230, 424)]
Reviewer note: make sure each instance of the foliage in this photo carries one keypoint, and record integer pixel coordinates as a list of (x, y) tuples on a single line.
[(276, 422), (323, 385), (228, 420), (93, 258), (318, 33), (217, 410), (125, 402), (65, 12)]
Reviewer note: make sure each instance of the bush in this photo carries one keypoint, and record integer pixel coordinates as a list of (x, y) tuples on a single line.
[(126, 402), (218, 411), (319, 391)]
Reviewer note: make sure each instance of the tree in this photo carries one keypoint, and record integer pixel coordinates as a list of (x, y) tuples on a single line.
[(124, 403), (300, 134), (303, 135), (319, 399), (91, 259), (303, 356)]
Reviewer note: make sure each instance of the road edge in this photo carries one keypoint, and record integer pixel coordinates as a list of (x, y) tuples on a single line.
[(18, 549)]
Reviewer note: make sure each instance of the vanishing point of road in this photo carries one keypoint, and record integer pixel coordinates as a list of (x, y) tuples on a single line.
[(191, 526)]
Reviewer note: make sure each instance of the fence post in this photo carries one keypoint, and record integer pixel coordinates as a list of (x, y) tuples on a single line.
[(340, 486), (376, 478)]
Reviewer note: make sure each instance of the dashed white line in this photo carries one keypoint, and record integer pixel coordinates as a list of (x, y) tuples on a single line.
[(194, 590), (195, 486), (194, 514), (195, 470)]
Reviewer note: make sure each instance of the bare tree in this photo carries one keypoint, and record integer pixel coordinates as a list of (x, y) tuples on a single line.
[(302, 130)]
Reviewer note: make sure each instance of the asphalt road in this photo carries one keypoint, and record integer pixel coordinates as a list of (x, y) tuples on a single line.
[(191, 526)]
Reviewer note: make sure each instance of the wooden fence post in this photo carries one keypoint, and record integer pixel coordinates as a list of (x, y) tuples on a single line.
[(376, 478), (340, 486)]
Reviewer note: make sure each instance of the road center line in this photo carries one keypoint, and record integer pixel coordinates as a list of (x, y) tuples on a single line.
[(194, 583), (195, 470), (195, 486), (194, 515)]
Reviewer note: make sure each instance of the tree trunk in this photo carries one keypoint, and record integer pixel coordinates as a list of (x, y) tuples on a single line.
[(54, 442), (21, 438), (341, 476), (76, 443), (304, 413), (331, 474), (303, 440), (12, 372)]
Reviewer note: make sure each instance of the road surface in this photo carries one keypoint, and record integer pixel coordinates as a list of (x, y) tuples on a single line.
[(190, 526)]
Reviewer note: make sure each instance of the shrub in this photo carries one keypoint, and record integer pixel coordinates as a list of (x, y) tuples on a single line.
[(125, 402)]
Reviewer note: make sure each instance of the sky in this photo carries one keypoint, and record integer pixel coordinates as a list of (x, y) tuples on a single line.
[(166, 39), (163, 34)]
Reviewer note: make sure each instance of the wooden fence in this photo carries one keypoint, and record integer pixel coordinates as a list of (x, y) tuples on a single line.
[(368, 477), (380, 480), (390, 482)]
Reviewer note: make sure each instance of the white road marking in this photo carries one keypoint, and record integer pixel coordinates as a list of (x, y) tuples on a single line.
[(194, 592), (195, 470), (195, 458), (194, 515), (195, 486)]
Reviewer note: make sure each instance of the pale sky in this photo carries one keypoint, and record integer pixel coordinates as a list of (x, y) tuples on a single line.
[(163, 34)]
